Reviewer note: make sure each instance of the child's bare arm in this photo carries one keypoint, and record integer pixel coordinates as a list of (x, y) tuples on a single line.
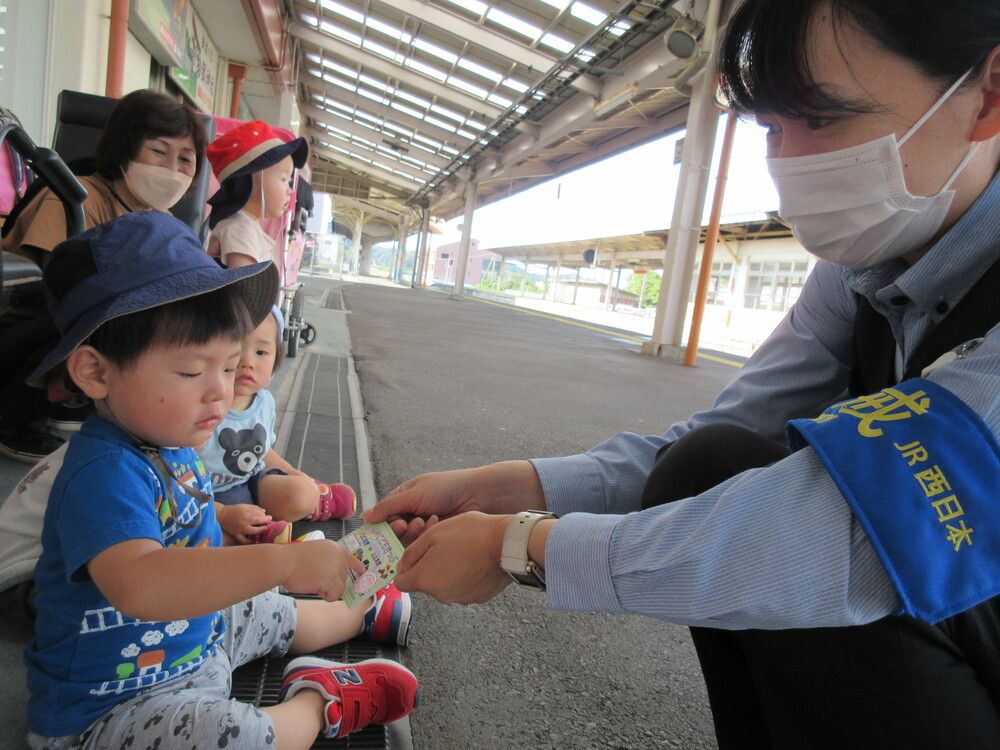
[(237, 260), (147, 581)]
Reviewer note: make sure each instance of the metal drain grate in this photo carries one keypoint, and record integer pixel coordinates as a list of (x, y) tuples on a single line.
[(333, 300)]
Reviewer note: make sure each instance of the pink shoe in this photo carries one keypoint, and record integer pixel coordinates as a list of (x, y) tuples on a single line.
[(374, 691), (275, 532), (335, 501), (388, 619)]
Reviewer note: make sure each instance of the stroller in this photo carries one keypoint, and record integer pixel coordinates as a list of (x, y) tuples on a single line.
[(23, 161), (290, 242)]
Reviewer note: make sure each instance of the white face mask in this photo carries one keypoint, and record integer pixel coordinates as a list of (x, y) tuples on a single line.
[(852, 206), (158, 187)]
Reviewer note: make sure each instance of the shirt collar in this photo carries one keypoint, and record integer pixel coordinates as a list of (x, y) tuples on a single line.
[(940, 280)]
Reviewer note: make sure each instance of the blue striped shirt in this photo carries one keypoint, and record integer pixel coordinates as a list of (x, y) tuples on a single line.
[(774, 547)]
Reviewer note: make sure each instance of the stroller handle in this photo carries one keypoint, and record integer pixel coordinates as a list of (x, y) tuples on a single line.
[(49, 166)]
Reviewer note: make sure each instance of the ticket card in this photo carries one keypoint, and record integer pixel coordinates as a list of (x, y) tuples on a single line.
[(375, 545)]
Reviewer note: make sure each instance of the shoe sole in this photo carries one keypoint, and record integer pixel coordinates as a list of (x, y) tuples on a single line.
[(400, 623), (24, 458), (56, 424)]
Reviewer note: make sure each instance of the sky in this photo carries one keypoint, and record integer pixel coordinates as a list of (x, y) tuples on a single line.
[(626, 194)]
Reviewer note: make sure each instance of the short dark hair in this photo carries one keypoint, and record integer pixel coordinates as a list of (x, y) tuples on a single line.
[(141, 115), (221, 313), (764, 56)]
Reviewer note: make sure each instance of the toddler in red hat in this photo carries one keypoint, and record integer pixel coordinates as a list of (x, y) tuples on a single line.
[(254, 168)]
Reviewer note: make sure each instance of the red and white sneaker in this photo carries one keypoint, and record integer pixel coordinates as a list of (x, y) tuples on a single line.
[(275, 532), (388, 619), (375, 691), (335, 501)]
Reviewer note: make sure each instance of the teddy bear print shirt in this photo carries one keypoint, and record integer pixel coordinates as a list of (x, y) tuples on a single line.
[(236, 450)]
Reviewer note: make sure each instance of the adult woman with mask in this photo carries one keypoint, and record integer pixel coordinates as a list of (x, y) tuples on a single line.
[(882, 119), (149, 152)]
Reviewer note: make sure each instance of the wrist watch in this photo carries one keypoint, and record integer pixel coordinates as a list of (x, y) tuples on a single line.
[(514, 557)]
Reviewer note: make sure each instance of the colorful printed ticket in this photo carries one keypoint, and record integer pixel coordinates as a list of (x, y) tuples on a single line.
[(375, 545)]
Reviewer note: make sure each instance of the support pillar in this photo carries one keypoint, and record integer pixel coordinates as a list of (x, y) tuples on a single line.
[(114, 85), (356, 239), (471, 194), (421, 259), (689, 205), (238, 72), (611, 281)]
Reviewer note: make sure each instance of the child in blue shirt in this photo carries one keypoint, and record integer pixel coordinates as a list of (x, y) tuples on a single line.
[(142, 616)]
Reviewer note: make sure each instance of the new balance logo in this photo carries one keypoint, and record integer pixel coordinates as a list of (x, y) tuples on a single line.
[(347, 677)]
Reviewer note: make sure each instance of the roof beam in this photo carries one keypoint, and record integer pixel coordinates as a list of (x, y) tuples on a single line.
[(361, 183), (361, 129), (358, 56), (480, 36), (392, 178), (652, 67), (411, 171), (386, 112), (369, 209)]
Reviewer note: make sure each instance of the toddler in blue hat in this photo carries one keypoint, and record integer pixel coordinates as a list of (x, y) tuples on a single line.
[(142, 615)]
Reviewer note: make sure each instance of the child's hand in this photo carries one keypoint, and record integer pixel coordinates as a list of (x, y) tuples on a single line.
[(242, 521), (320, 567)]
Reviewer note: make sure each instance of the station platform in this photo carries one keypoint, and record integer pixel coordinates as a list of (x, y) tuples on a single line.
[(403, 381)]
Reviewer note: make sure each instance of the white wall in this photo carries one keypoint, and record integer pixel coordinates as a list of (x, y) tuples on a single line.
[(52, 45), (22, 85), (77, 51)]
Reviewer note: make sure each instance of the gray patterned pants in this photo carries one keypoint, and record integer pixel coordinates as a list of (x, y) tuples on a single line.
[(196, 711)]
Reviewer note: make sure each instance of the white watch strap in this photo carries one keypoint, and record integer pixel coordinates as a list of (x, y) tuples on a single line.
[(514, 555)]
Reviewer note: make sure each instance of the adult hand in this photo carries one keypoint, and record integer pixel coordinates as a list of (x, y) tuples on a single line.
[(414, 506), (457, 561), (320, 567)]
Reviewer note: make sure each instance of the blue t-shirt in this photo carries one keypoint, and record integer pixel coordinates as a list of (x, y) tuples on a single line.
[(236, 450), (87, 656)]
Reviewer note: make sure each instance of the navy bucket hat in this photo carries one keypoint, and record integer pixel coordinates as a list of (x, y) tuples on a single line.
[(135, 262)]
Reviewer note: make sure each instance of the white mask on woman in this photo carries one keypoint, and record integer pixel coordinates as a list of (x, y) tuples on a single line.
[(852, 206), (157, 187)]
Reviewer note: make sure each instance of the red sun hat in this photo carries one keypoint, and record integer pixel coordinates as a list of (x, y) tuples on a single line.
[(250, 148)]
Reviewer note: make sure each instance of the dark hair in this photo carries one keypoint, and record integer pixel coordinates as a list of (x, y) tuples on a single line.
[(764, 56), (191, 321), (140, 115)]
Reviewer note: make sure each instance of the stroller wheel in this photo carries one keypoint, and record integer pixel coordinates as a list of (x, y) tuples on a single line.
[(307, 334)]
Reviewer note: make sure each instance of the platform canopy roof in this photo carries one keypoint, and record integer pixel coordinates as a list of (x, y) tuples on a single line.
[(640, 251), (407, 102)]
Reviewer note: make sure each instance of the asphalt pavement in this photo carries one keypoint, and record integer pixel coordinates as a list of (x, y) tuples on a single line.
[(453, 383)]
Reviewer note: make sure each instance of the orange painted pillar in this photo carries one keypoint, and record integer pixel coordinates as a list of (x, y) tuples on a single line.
[(711, 238), (115, 84), (238, 73)]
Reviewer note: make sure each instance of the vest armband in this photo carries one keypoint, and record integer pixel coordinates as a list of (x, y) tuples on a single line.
[(920, 471)]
